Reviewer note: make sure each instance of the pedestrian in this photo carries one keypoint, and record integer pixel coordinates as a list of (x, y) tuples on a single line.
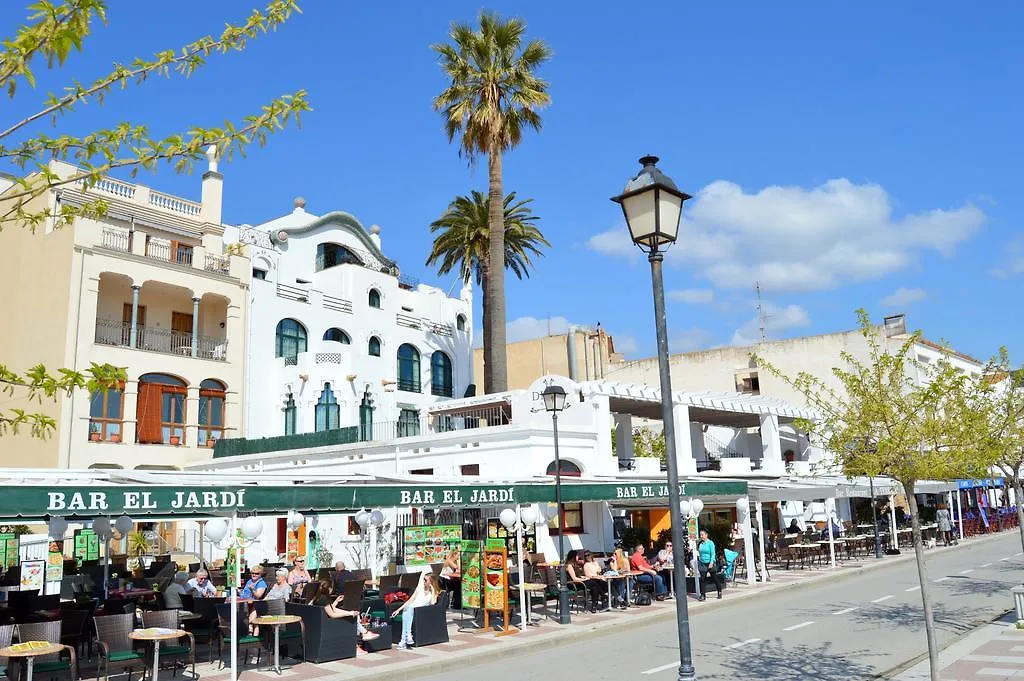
[(707, 566), (944, 523)]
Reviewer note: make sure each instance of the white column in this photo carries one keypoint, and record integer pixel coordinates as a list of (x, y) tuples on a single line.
[(685, 462), (829, 512), (960, 512), (134, 333), (195, 327), (624, 437), (771, 446), (760, 537), (192, 418), (748, 544), (131, 407)]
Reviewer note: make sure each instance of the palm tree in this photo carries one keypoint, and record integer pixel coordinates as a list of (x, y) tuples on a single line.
[(492, 97), (463, 244)]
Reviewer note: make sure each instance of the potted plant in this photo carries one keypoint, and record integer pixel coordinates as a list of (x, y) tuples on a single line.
[(211, 442), (175, 440), (115, 437), (94, 432)]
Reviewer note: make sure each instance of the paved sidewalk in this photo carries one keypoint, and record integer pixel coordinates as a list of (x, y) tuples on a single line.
[(994, 652)]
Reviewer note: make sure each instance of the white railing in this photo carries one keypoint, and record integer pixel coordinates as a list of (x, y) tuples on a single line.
[(159, 249), (166, 341), (109, 185), (173, 203), (116, 240), (337, 304), (292, 293), (407, 321), (217, 263)]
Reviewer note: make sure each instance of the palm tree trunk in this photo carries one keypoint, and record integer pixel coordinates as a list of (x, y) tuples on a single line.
[(922, 577), (494, 295), (485, 325)]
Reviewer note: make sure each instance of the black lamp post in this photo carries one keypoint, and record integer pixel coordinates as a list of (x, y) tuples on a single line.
[(653, 206), (554, 402)]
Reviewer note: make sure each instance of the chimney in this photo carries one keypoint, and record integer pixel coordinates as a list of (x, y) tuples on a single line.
[(213, 190)]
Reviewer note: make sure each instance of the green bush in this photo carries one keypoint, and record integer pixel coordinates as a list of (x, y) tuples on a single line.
[(631, 536)]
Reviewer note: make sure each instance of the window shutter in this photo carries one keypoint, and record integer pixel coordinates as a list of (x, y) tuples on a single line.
[(148, 414)]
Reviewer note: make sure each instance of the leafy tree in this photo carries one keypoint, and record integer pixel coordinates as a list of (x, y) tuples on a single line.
[(493, 95), (899, 418), (463, 243), (52, 32), (646, 443)]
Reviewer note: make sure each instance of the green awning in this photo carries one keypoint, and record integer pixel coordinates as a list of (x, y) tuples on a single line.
[(140, 500)]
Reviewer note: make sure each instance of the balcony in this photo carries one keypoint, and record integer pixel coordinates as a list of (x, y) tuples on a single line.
[(169, 251), (441, 389), (165, 341), (409, 385)]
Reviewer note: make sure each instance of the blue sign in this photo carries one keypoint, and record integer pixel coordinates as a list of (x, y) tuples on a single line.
[(972, 484)]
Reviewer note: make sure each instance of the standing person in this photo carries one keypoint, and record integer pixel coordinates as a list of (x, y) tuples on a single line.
[(200, 586), (706, 564), (299, 575), (944, 523), (313, 557), (650, 575), (426, 593)]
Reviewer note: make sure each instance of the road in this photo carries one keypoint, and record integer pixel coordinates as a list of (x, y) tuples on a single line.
[(854, 628)]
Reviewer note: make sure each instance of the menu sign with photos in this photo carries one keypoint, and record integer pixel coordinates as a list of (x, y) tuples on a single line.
[(55, 562), (472, 568), (87, 545), (496, 587), (33, 575), (430, 544), (9, 544)]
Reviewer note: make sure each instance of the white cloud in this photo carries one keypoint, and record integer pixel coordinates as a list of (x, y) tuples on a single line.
[(615, 242), (625, 344), (689, 340), (528, 328), (903, 296), (799, 239), (776, 320), (692, 296), (1013, 263)]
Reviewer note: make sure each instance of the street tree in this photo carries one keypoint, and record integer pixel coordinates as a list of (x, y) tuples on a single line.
[(493, 95), (1005, 402), (53, 31), (463, 242), (895, 417)]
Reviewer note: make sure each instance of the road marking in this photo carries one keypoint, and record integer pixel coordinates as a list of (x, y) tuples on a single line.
[(661, 668), (967, 571), (1007, 558), (845, 611), (986, 565), (883, 598), (798, 626), (942, 579), (913, 588), (741, 644)]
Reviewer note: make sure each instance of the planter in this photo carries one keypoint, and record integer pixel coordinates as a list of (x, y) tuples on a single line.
[(211, 443), (94, 437), (116, 437), (175, 440)]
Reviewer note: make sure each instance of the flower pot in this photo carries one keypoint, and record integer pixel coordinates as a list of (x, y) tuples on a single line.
[(94, 437), (175, 440), (116, 437), (211, 443)]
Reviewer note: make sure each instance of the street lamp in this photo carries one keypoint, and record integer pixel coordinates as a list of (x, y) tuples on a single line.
[(652, 206), (554, 402), (240, 536)]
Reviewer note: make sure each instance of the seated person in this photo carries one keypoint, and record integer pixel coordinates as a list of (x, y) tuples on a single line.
[(334, 611), (341, 575), (255, 587), (281, 590), (597, 583), (299, 575), (794, 527), (650, 575), (175, 590), (200, 586)]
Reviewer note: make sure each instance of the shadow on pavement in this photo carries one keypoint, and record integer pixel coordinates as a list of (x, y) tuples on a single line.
[(773, 661), (912, 617), (990, 588)]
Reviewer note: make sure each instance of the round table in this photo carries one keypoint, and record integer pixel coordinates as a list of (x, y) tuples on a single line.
[(29, 650), (532, 588), (277, 621), (186, 616), (156, 635)]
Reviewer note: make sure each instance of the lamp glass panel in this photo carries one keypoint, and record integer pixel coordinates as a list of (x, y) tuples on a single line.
[(670, 207), (639, 210)]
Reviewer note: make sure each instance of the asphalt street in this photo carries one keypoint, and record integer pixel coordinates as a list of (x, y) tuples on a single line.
[(857, 627)]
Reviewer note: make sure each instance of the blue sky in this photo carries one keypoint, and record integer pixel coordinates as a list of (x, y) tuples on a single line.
[(842, 155)]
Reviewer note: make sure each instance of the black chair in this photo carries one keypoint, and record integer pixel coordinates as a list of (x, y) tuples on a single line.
[(326, 638), (74, 622), (408, 581), (246, 642), (389, 584), (289, 633), (47, 666), (429, 624), (21, 601), (352, 595), (206, 629)]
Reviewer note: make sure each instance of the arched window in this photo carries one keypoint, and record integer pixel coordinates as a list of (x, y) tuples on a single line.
[(441, 375), (460, 322), (331, 255), (374, 298), (408, 368), (327, 411), (291, 340), (572, 512), (211, 412), (567, 467), (106, 414), (374, 347), (160, 410), (338, 336), (289, 415)]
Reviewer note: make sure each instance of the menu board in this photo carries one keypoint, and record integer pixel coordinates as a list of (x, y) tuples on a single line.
[(429, 544), (9, 544), (495, 579), (33, 575), (472, 566), (87, 545), (55, 562)]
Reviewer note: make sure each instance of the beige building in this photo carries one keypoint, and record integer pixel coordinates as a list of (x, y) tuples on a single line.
[(582, 354), (150, 288)]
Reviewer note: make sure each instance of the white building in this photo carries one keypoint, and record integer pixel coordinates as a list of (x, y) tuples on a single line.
[(148, 287), (338, 338)]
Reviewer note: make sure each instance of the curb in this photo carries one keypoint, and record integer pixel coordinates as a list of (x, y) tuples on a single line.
[(594, 631)]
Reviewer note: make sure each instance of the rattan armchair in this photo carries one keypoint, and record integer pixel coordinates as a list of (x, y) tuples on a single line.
[(174, 651), (48, 666), (116, 649)]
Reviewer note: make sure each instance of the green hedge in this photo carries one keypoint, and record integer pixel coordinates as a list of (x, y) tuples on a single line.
[(243, 446)]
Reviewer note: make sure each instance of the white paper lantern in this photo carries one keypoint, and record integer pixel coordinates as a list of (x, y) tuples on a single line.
[(377, 517), (697, 506), (252, 527), (101, 526), (58, 526), (124, 525), (362, 518), (508, 518), (295, 520), (529, 515), (742, 506), (685, 509), (216, 529)]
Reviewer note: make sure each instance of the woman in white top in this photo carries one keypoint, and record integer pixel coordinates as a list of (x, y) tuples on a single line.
[(425, 594), (281, 590)]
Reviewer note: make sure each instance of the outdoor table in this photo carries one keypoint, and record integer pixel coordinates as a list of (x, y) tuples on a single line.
[(29, 650), (627, 575), (839, 545), (130, 593), (277, 621), (186, 616), (156, 634), (806, 548), (532, 588), (670, 569)]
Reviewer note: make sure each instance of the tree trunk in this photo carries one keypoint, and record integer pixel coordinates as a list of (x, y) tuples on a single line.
[(494, 295), (1015, 479), (485, 325), (922, 576)]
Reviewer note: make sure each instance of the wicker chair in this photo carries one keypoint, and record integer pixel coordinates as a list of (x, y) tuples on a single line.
[(48, 666), (6, 633), (246, 642), (174, 651), (116, 650)]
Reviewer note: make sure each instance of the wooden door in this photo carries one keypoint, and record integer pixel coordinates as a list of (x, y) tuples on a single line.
[(126, 315), (181, 322)]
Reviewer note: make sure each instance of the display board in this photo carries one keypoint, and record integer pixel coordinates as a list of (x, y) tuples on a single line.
[(9, 547), (472, 569), (496, 585), (429, 544), (33, 575), (55, 562), (87, 545)]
